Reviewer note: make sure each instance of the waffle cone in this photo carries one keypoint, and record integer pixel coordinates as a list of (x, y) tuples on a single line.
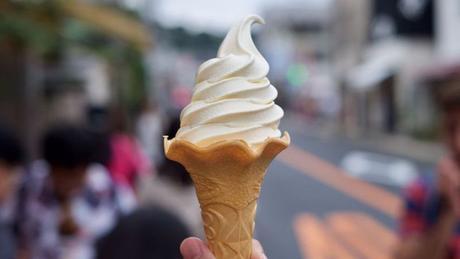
[(227, 176)]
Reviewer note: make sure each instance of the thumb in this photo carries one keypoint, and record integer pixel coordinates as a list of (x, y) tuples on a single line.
[(257, 250), (194, 248)]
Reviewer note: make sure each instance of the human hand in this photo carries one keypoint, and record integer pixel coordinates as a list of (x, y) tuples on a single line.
[(449, 183), (194, 248)]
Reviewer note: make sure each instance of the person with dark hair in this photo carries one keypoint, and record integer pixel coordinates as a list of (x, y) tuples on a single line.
[(68, 151), (155, 233), (11, 158), (128, 163), (69, 201), (147, 233)]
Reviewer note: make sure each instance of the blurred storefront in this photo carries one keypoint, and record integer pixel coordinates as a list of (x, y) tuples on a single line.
[(366, 57), (442, 70), (320, 41), (369, 94), (379, 91)]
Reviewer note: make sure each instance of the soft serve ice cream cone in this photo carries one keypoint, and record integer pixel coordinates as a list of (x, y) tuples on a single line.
[(229, 135)]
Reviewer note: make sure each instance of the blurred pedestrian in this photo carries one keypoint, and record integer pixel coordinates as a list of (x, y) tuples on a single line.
[(11, 158), (68, 201), (128, 162), (148, 233), (173, 190), (430, 223), (148, 128)]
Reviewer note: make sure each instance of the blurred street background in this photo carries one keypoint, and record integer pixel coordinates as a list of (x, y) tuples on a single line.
[(355, 78)]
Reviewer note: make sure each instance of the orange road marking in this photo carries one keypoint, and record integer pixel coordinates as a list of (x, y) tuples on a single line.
[(386, 238), (311, 165), (363, 233), (316, 240)]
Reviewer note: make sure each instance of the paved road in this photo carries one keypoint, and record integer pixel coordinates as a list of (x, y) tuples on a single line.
[(310, 209)]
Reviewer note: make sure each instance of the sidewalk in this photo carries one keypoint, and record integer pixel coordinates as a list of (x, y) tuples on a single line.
[(429, 152), (423, 151)]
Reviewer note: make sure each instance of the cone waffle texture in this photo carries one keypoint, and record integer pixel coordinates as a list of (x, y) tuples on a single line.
[(227, 176)]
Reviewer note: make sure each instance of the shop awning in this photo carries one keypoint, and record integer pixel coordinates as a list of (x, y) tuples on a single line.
[(382, 61)]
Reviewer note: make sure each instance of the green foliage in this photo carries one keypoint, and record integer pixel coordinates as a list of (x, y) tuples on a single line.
[(132, 72), (43, 28), (31, 25)]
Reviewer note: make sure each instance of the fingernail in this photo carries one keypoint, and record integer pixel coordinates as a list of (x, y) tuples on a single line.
[(193, 250)]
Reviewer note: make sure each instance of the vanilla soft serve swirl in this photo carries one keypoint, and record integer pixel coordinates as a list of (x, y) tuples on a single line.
[(233, 99)]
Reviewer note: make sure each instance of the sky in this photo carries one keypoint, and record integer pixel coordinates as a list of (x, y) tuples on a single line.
[(215, 16)]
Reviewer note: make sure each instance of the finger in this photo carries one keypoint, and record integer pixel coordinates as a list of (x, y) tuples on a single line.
[(194, 248), (257, 250)]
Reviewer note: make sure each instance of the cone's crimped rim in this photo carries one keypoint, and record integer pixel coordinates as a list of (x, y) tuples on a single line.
[(239, 148)]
